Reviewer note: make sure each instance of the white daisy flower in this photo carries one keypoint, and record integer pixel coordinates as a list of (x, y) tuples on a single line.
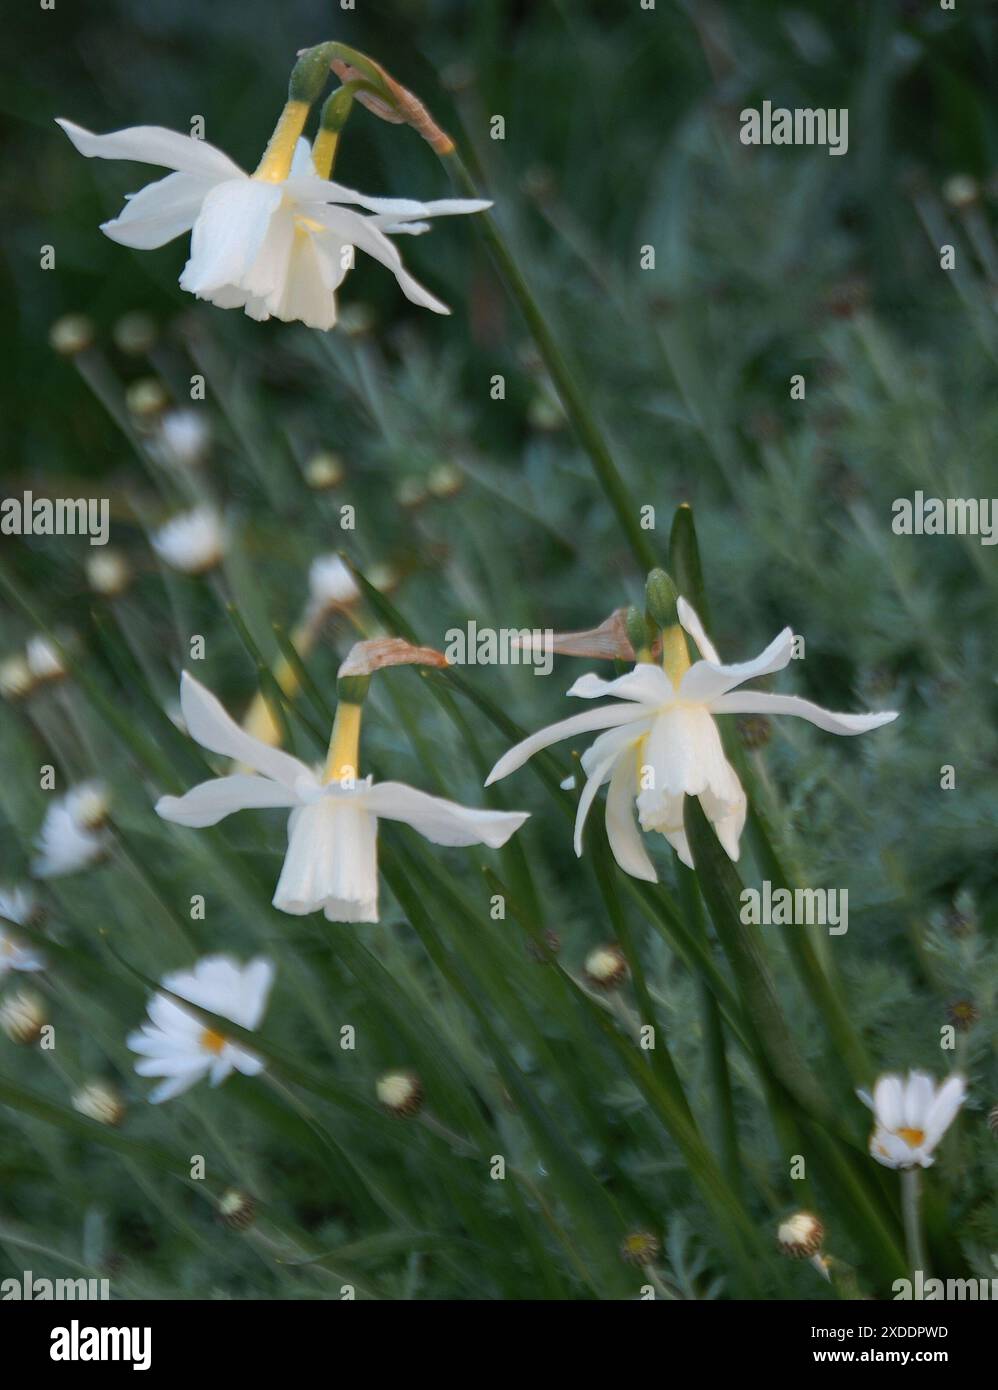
[(71, 838), (910, 1116), (331, 860), (176, 1045), (662, 743), (278, 243), (192, 542), (17, 905)]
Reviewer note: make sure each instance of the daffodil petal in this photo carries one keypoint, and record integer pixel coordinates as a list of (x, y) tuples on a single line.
[(707, 680), (606, 717), (626, 844), (441, 821), (154, 144), (209, 802), (208, 724), (691, 623), (159, 212), (761, 702)]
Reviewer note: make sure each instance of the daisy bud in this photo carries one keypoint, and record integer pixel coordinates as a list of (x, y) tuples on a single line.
[(356, 319), (384, 578), (16, 679), (237, 1209), (100, 1101), (400, 1092), (993, 1120), (961, 191), (444, 480), (606, 967), (660, 599), (545, 413), (410, 493), (71, 334), (640, 1248), (89, 805), (108, 573), (800, 1236), (146, 398), (962, 1014), (44, 662), (324, 470), (22, 1017), (755, 730), (135, 334)]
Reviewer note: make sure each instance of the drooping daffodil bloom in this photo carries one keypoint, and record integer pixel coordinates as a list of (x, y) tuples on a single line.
[(331, 860), (910, 1116), (278, 242), (661, 743), (176, 1045)]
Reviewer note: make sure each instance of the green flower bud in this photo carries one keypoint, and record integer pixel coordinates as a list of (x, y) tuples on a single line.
[(309, 74), (660, 597), (639, 631), (336, 110), (352, 690)]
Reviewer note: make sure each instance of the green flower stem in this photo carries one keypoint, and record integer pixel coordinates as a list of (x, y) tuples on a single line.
[(912, 1216), (661, 1056), (687, 571), (721, 889), (714, 1043), (572, 396)]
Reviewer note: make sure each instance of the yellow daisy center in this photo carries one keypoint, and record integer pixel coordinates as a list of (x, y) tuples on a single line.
[(212, 1041), (914, 1138)]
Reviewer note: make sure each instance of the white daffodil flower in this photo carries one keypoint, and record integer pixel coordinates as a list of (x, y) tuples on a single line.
[(662, 744), (71, 837), (911, 1116), (17, 905), (331, 860), (192, 542), (177, 1045), (276, 243)]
